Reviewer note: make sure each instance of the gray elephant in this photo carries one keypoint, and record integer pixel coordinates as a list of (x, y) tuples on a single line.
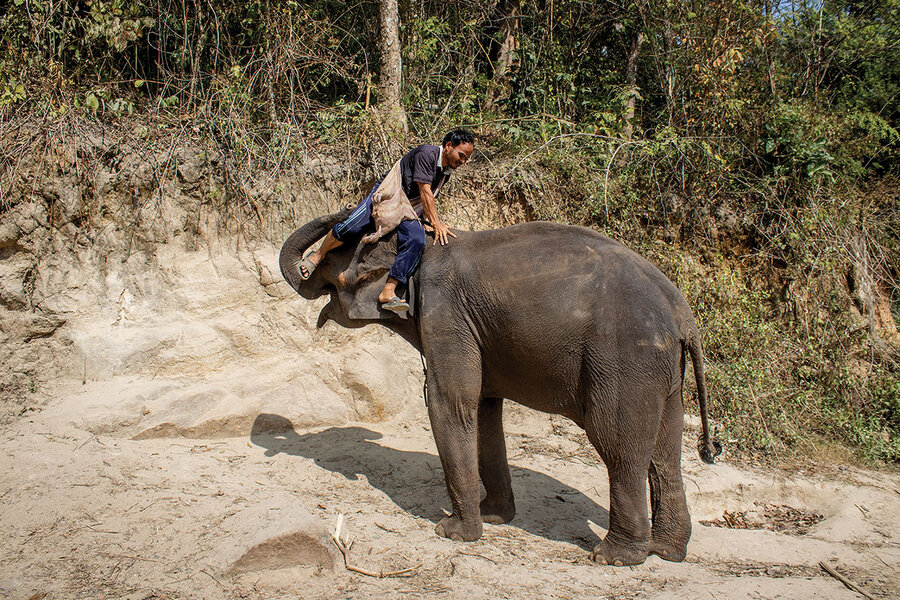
[(558, 318)]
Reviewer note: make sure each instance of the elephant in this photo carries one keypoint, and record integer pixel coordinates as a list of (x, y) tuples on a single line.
[(559, 318)]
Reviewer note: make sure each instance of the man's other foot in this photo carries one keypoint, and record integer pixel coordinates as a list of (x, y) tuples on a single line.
[(395, 304)]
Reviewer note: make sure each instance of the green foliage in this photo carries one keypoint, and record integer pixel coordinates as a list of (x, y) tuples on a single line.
[(331, 123), (873, 425), (782, 385), (796, 140), (560, 76), (117, 23), (12, 91)]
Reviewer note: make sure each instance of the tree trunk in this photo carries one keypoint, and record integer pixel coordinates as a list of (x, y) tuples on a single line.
[(504, 53), (270, 65), (391, 64), (767, 12), (669, 39), (631, 85)]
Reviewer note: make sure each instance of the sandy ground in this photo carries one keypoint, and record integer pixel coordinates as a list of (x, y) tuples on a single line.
[(207, 439)]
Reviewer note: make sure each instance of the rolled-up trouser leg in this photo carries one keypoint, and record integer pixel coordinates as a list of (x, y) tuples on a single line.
[(410, 244)]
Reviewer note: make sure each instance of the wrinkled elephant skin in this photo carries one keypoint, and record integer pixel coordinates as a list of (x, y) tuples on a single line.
[(555, 317)]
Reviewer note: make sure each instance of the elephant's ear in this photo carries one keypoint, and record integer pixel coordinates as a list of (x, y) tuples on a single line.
[(366, 276)]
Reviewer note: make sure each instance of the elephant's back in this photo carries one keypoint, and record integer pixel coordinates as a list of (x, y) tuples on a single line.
[(546, 299), (564, 254), (537, 229), (566, 276), (546, 239)]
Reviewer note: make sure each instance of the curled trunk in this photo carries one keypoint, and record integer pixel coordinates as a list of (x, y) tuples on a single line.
[(296, 246)]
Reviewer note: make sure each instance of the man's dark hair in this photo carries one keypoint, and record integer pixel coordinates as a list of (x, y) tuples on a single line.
[(457, 137)]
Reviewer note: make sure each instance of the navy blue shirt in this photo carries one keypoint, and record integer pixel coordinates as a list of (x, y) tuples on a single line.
[(422, 165)]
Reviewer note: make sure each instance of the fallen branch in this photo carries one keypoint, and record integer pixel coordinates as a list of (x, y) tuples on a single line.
[(213, 577), (344, 546), (849, 584)]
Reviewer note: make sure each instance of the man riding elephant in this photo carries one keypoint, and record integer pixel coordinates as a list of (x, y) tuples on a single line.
[(558, 318), (417, 177)]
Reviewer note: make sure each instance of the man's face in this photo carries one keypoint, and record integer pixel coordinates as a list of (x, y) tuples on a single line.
[(458, 155)]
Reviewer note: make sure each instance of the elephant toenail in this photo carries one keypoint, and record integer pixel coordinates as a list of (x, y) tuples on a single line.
[(618, 563), (456, 537)]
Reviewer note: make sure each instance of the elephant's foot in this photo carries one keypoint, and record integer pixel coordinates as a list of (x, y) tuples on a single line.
[(670, 545), (496, 512), (458, 530), (668, 550), (619, 554), (670, 534)]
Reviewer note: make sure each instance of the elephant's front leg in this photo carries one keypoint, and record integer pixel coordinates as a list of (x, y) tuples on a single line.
[(498, 505), (454, 389)]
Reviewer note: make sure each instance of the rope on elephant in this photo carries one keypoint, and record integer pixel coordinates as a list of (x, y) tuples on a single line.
[(425, 381)]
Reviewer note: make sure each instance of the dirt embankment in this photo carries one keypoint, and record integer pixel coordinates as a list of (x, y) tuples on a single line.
[(99, 226), (173, 425)]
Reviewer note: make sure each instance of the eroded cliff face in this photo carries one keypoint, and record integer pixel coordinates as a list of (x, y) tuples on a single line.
[(141, 268), (138, 277)]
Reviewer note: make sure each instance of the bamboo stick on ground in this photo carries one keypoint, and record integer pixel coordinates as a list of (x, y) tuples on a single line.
[(344, 547), (849, 584)]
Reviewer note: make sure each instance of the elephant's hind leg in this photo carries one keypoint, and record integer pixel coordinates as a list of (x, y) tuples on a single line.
[(498, 505), (628, 539), (671, 521)]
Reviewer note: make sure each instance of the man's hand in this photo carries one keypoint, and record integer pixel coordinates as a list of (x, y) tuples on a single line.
[(441, 232)]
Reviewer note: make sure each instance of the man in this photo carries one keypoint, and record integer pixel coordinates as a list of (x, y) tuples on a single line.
[(424, 170)]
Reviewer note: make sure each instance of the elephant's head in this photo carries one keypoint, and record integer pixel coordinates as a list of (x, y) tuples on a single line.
[(353, 274)]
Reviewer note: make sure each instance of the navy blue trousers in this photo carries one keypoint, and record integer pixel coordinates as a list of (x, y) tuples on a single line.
[(410, 237)]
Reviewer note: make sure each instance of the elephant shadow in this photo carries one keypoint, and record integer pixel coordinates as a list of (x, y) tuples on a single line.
[(414, 481)]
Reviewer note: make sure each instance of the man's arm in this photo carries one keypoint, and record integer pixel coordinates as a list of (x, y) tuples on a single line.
[(441, 231)]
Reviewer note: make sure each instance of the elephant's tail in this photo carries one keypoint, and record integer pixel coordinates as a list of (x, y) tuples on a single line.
[(709, 448)]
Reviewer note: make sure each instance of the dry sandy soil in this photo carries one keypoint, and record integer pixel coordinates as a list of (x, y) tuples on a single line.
[(199, 438)]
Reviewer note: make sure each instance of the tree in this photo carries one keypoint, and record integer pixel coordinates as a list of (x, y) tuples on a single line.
[(504, 48), (631, 83), (391, 64)]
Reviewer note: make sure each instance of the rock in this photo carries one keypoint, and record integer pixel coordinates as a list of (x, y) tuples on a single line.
[(226, 409), (274, 286), (41, 326), (14, 273), (9, 234), (274, 534), (380, 380), (191, 168)]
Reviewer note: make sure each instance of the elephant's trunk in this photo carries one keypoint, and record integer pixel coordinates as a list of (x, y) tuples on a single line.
[(297, 244)]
